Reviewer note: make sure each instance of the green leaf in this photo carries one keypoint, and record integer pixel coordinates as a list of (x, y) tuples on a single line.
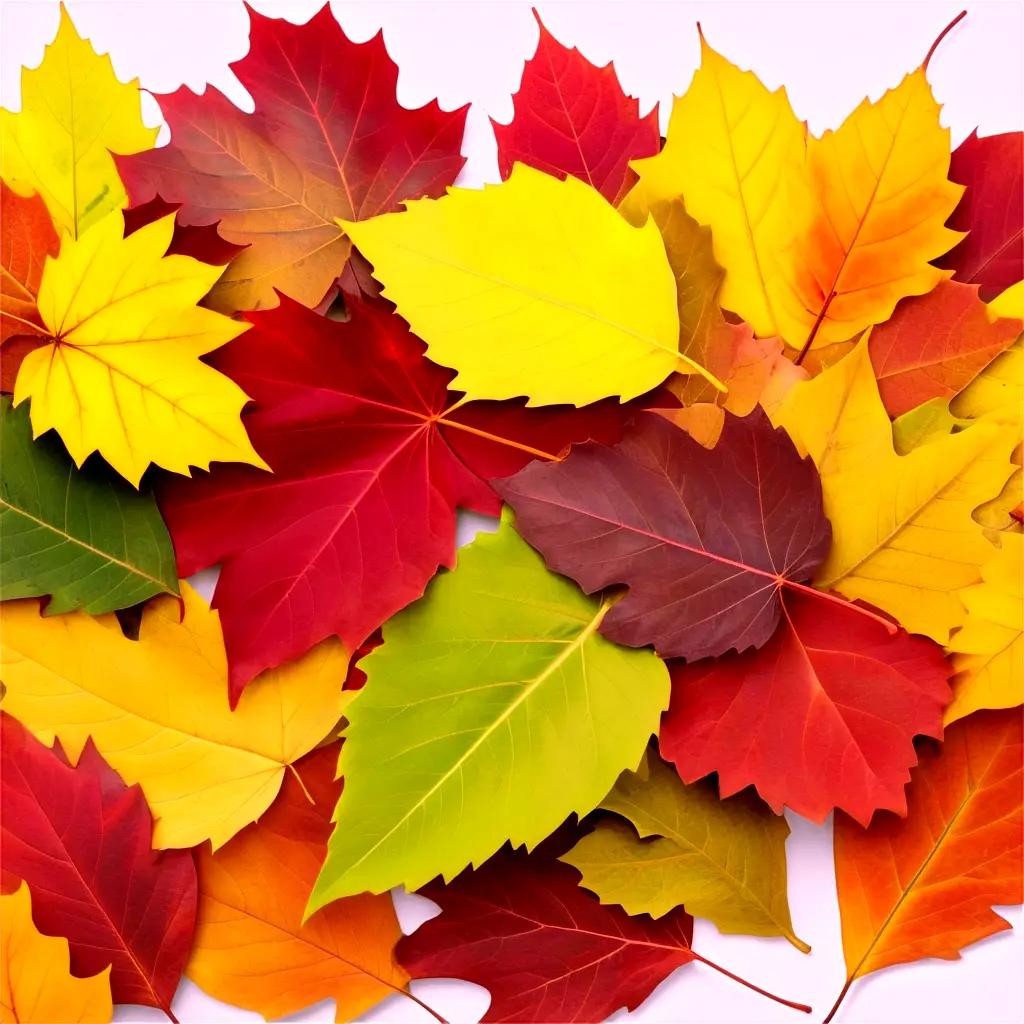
[(83, 536), (493, 710), (724, 859)]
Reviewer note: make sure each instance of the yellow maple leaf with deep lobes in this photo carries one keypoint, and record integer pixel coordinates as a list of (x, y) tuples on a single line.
[(122, 375), (74, 114), (36, 983), (157, 709), (903, 535)]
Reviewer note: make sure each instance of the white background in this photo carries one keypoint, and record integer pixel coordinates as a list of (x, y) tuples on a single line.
[(829, 55)]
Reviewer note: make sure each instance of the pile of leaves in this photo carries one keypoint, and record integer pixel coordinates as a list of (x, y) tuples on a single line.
[(748, 402)]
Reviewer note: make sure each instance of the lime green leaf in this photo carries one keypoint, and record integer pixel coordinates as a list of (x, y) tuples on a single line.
[(492, 711), (84, 537)]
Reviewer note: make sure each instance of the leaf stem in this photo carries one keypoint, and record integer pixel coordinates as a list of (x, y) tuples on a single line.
[(814, 330), (836, 1004), (827, 595), (803, 1008), (942, 35)]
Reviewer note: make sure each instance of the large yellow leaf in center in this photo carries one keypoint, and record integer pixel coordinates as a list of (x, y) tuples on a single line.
[(534, 287), (123, 375)]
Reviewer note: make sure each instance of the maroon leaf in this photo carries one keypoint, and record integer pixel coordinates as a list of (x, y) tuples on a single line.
[(81, 840), (202, 242), (704, 539)]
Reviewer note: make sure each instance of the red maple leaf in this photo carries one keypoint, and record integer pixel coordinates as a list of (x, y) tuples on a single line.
[(201, 242), (544, 948), (81, 840), (371, 457), (571, 117), (328, 139), (704, 539), (823, 716), (991, 212)]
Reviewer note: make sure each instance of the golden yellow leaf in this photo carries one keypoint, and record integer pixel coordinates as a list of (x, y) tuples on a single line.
[(903, 537), (988, 652), (74, 114), (36, 983), (157, 709), (534, 287), (122, 375), (724, 859), (735, 152)]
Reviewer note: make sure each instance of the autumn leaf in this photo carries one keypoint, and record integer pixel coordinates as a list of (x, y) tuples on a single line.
[(252, 947), (74, 115), (988, 652), (86, 539), (575, 304), (705, 540), (824, 715), (202, 242), (991, 212), (81, 840), (924, 885), (36, 983), (543, 947), (736, 152), (372, 454), (29, 237), (126, 332), (328, 139), (500, 658), (157, 709), (571, 117), (903, 537), (723, 859)]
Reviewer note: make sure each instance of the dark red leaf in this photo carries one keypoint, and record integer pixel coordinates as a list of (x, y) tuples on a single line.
[(823, 716), (81, 840), (202, 242), (991, 212), (704, 539), (573, 118), (371, 455)]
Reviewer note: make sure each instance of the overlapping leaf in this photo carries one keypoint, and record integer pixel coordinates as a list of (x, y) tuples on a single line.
[(157, 710), (29, 237), (371, 457), (328, 139), (81, 840), (495, 684)]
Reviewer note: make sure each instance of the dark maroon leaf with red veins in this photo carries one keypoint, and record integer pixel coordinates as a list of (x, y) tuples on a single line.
[(823, 716), (704, 539), (371, 457), (202, 242), (991, 212), (81, 840), (328, 139), (573, 118)]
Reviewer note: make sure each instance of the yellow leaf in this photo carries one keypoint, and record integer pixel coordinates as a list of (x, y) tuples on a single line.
[(534, 287), (122, 375), (74, 114), (36, 983), (988, 653), (724, 859), (157, 709), (903, 537), (735, 152)]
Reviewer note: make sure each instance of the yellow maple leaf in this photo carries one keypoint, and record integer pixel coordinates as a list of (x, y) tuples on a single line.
[(36, 983), (74, 114), (157, 709), (122, 375), (534, 287), (903, 536), (988, 652)]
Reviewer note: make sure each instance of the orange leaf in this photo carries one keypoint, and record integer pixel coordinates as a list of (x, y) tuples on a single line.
[(252, 948), (925, 885)]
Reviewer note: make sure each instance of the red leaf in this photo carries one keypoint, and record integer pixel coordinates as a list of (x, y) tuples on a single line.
[(81, 840), (544, 948), (571, 117), (371, 458), (704, 539), (936, 344), (991, 212), (823, 716), (202, 243), (328, 139)]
